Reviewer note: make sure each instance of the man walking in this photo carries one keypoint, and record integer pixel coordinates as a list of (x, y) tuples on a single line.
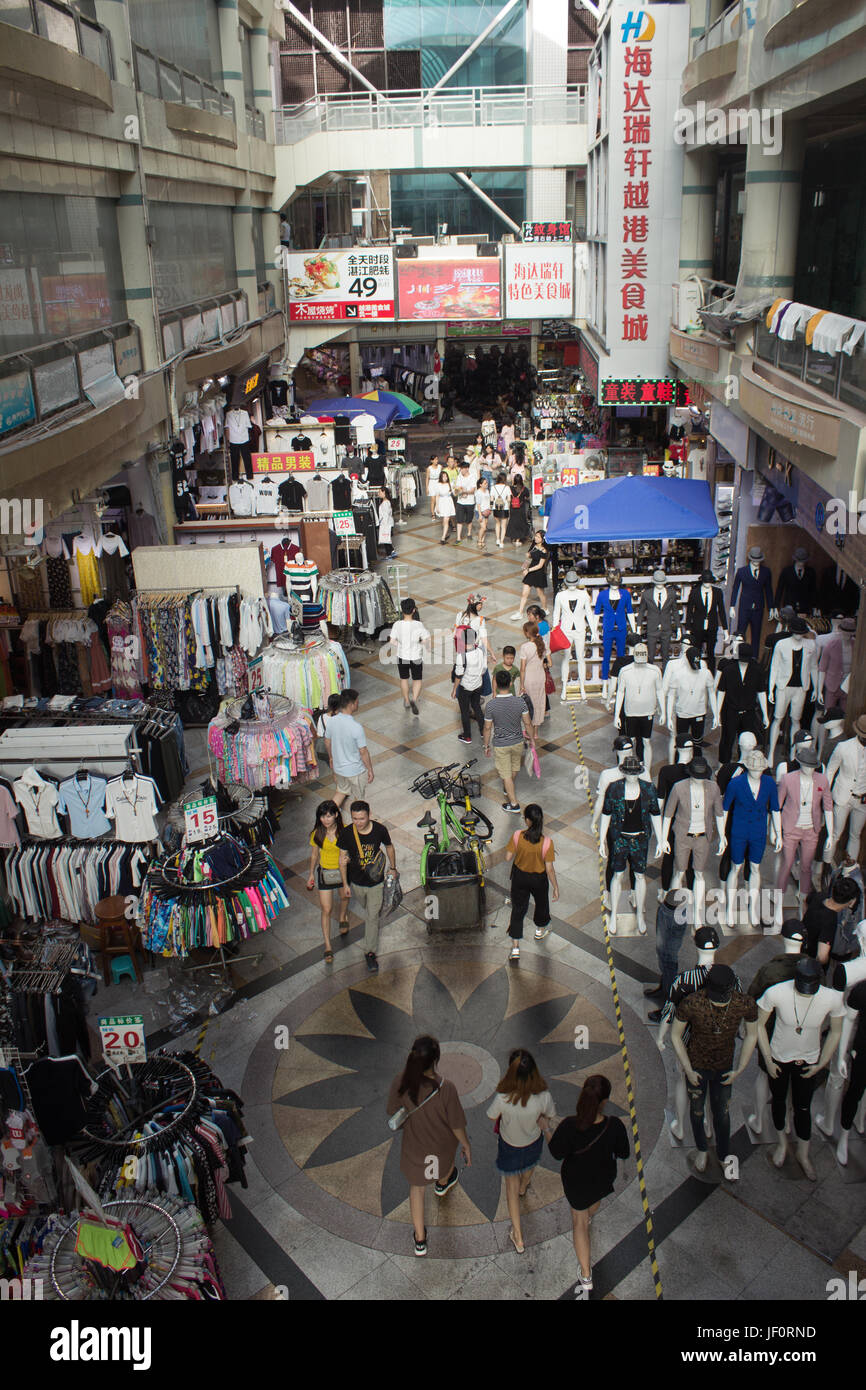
[(506, 724), (361, 846), (346, 746)]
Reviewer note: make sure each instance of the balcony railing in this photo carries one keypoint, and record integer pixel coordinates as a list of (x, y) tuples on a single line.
[(208, 320), (255, 123), (839, 375), (60, 24), (158, 78), (465, 106), (87, 368), (726, 29)]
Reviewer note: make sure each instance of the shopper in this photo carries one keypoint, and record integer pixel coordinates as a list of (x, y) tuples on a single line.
[(489, 431), (364, 847), (538, 615), (532, 673), (465, 499), (491, 464), (824, 911), (386, 522), (509, 664), (434, 1125), (472, 617), (534, 572), (500, 496), (532, 873), (506, 725), (346, 746), (520, 1102), (325, 871), (444, 504), (588, 1143), (408, 636), (483, 507), (517, 529), (470, 666), (434, 473)]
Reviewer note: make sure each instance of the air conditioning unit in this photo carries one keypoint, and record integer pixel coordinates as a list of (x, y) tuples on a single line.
[(405, 251)]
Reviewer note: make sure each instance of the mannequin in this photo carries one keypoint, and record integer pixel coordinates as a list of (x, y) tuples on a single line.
[(792, 673), (690, 693), (754, 585), (835, 663), (283, 554), (706, 941), (804, 802), (752, 796), (706, 617), (618, 665), (630, 809), (638, 696), (617, 615), (693, 806), (572, 614), (658, 616), (846, 773), (846, 977), (772, 972), (742, 697), (667, 779), (302, 578), (795, 1054), (623, 747), (801, 741), (798, 584), (746, 743), (783, 629)]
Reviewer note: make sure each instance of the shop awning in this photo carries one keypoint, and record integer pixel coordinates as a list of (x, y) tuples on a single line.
[(382, 411), (632, 509), (406, 407)]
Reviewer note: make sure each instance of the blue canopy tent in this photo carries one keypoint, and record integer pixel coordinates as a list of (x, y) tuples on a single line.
[(382, 411), (632, 509)]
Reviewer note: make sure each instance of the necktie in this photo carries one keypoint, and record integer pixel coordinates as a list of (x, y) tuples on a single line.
[(755, 571)]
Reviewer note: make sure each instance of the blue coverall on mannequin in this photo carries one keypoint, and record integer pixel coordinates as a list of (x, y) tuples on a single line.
[(614, 625)]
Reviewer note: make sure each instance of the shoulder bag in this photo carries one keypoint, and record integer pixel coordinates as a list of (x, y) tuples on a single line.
[(577, 1153), (399, 1118), (375, 870)]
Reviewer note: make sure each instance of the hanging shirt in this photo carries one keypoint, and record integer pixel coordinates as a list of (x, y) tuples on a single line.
[(292, 494), (319, 494), (364, 427), (8, 812), (266, 497), (242, 498), (83, 801), (280, 557), (38, 799), (111, 544), (132, 803), (238, 425)]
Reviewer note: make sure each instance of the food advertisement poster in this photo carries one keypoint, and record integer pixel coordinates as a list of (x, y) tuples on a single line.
[(449, 289), (325, 286)]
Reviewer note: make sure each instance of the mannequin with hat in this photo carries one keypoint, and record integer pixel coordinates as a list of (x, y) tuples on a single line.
[(658, 616), (783, 629), (573, 615), (846, 773), (753, 586), (614, 606), (713, 1015), (798, 584), (706, 617), (667, 778), (690, 694), (795, 1056), (850, 978), (638, 697), (834, 663), (773, 972), (694, 807), (805, 804), (630, 812), (742, 697), (752, 799), (793, 672), (801, 741), (829, 727)]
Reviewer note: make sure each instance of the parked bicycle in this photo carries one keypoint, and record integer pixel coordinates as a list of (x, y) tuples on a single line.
[(448, 830)]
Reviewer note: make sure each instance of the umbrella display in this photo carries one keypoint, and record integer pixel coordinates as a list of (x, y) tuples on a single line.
[(383, 412), (408, 408)]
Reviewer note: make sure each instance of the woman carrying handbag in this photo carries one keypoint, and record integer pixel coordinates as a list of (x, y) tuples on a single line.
[(326, 873)]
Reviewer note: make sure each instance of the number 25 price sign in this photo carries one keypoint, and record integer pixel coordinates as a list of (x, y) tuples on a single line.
[(123, 1039)]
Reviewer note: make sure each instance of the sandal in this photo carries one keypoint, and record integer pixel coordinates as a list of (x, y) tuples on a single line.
[(519, 1248), (344, 928), (329, 957)]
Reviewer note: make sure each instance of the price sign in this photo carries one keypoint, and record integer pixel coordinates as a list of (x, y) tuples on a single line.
[(344, 524), (396, 446), (255, 674), (568, 477), (123, 1039), (201, 819)]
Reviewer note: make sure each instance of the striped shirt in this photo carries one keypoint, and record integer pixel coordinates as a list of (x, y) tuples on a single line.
[(685, 984)]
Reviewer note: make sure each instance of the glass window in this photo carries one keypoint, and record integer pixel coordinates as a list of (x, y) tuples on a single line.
[(193, 253), (16, 12), (791, 355), (425, 201), (186, 32), (821, 369), (64, 275), (765, 343), (443, 29), (853, 389), (831, 245), (247, 66)]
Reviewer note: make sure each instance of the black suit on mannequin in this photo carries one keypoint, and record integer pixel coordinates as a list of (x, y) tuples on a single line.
[(703, 621)]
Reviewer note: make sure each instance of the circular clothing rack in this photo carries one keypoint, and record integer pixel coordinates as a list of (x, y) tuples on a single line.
[(159, 1235), (272, 749)]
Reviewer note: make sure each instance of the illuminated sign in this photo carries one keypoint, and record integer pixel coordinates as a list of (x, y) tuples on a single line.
[(251, 383), (298, 462), (660, 392), (534, 233)]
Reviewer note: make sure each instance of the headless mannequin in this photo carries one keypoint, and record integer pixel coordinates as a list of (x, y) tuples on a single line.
[(793, 946), (632, 794), (676, 692), (843, 774), (755, 778), (572, 613), (681, 1096), (853, 972), (789, 697), (807, 778), (827, 734), (700, 881)]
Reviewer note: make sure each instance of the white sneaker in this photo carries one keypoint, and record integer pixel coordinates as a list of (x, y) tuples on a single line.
[(541, 933), (514, 953), (515, 615)]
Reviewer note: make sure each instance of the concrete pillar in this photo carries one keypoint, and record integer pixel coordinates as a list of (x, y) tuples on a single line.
[(701, 12), (260, 49), (231, 78), (773, 185), (141, 305), (114, 18), (698, 211), (166, 520), (245, 252), (856, 702), (354, 367)]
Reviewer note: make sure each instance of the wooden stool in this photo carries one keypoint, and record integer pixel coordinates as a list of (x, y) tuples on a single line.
[(113, 935)]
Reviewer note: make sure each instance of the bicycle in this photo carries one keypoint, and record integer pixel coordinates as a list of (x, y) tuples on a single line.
[(471, 830)]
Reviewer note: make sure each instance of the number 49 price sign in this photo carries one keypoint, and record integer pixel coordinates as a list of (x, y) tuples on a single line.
[(123, 1039)]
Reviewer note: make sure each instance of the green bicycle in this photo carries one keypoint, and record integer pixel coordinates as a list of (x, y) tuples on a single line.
[(469, 831)]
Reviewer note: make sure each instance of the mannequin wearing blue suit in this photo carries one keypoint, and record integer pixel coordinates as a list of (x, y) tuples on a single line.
[(753, 585), (615, 607)]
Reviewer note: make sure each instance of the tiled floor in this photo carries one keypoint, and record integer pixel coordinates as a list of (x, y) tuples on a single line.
[(325, 1214)]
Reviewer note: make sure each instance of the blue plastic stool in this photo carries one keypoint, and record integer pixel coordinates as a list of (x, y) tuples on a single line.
[(120, 966)]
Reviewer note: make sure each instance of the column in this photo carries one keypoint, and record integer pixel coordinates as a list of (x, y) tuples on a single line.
[(245, 251), (135, 255), (354, 365), (773, 185), (698, 212), (114, 18), (231, 77)]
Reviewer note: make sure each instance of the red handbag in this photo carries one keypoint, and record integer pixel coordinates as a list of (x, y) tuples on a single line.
[(558, 640)]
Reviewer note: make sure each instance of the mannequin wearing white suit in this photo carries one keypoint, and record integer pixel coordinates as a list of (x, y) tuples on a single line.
[(846, 773), (573, 613), (793, 673)]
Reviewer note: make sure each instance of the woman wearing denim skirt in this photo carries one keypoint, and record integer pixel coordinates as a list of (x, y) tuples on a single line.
[(521, 1101)]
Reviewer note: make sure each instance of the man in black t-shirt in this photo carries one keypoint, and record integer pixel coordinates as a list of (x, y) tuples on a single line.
[(359, 844), (821, 918)]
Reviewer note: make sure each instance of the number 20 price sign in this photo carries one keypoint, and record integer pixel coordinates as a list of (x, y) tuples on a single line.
[(123, 1039)]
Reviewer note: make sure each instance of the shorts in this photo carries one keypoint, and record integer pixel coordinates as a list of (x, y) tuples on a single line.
[(630, 849), (330, 873), (356, 787), (465, 513), (755, 843), (698, 845), (500, 513), (508, 760), (638, 725), (511, 1160), (405, 669)]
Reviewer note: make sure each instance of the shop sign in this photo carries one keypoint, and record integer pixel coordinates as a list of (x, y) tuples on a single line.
[(538, 280), (469, 329), (17, 406), (337, 285), (302, 461), (15, 309), (344, 524), (467, 288), (255, 675), (535, 233), (569, 477), (74, 303), (665, 391), (554, 329), (249, 383), (123, 1039), (200, 819), (694, 352), (396, 446), (814, 428)]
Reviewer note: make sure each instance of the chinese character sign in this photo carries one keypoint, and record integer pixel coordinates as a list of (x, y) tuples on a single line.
[(539, 281), (449, 289), (298, 462), (325, 286), (665, 391), (534, 233)]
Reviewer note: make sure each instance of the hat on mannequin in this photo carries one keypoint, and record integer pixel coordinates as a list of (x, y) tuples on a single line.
[(632, 767), (756, 555), (848, 625), (719, 983), (807, 757), (571, 577), (707, 939), (755, 761), (699, 767), (808, 976), (659, 577), (798, 627), (793, 929), (801, 554)]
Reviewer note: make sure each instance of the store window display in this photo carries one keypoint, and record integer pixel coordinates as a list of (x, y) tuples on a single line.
[(793, 676), (753, 587), (238, 428)]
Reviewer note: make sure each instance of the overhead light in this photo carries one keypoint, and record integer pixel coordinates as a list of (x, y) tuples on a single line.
[(223, 381)]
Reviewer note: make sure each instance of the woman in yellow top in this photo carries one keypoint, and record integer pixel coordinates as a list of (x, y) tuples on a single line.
[(325, 871), (531, 874)]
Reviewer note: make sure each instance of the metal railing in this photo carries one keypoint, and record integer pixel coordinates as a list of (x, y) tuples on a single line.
[(839, 375), (205, 321), (464, 106), (255, 122), (725, 29), (60, 24), (58, 376), (158, 78)]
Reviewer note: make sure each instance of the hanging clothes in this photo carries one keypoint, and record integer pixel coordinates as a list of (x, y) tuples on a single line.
[(269, 752), (307, 674)]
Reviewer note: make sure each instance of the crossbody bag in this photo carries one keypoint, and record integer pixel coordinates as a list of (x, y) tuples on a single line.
[(375, 870), (399, 1118)]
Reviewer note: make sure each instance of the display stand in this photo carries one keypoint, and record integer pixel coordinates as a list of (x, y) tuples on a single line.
[(355, 600), (306, 672), (264, 749)]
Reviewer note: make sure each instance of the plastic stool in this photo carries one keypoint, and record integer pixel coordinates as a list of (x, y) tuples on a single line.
[(120, 966)]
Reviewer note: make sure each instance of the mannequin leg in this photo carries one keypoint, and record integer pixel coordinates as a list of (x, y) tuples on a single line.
[(755, 896), (681, 1105), (616, 886), (672, 740), (563, 671), (779, 1092), (783, 703), (755, 1121), (699, 898), (790, 842), (640, 902), (840, 820), (731, 889), (797, 703), (664, 646), (826, 1120), (856, 821), (581, 672), (648, 754)]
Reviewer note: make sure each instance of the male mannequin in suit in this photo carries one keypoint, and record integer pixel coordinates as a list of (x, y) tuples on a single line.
[(798, 585), (846, 773), (658, 615), (705, 617), (753, 584)]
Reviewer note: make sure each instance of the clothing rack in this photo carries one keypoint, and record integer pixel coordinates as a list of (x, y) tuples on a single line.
[(48, 974)]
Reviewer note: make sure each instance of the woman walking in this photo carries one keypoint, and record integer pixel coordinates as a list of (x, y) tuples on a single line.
[(444, 504), (470, 665), (588, 1143), (517, 529), (434, 1125), (534, 572), (533, 676), (521, 1102), (325, 871), (500, 496), (386, 522), (434, 473), (408, 636), (488, 429), (483, 506), (532, 875)]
